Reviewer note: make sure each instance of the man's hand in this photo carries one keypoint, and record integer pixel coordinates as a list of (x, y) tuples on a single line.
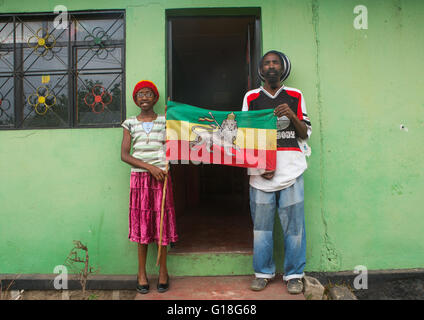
[(284, 110), (299, 126), (268, 175)]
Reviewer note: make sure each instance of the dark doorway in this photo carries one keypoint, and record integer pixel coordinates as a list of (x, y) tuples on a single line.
[(211, 64)]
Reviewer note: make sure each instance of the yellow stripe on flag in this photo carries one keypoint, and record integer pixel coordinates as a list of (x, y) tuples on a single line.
[(247, 138)]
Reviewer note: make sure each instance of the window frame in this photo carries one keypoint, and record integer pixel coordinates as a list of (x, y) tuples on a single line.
[(71, 71)]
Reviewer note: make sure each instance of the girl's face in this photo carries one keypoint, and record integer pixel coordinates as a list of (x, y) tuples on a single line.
[(146, 99)]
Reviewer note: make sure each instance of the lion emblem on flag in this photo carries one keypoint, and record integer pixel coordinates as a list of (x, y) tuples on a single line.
[(223, 135)]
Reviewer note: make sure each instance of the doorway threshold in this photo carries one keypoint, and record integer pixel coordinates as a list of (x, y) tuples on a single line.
[(211, 250), (211, 231)]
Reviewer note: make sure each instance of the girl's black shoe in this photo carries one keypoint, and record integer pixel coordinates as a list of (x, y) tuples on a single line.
[(162, 287), (143, 288)]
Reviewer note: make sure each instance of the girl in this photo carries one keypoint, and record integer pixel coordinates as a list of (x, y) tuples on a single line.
[(147, 134)]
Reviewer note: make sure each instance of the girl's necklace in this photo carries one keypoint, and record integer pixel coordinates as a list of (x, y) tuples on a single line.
[(147, 129)]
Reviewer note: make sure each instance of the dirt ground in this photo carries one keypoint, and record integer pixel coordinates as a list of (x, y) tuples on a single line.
[(74, 295), (405, 289)]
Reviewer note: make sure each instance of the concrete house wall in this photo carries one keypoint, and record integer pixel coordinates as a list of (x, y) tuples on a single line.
[(365, 177)]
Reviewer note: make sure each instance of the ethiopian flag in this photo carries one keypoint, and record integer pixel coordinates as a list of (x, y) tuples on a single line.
[(239, 138)]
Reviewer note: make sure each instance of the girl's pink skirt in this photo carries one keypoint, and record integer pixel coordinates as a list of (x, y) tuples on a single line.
[(145, 210)]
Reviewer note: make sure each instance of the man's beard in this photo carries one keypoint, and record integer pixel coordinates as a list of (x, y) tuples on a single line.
[(272, 76)]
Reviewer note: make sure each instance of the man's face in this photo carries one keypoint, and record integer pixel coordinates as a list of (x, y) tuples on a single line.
[(272, 68)]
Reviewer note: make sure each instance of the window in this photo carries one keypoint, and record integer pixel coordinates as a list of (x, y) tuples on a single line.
[(62, 78)]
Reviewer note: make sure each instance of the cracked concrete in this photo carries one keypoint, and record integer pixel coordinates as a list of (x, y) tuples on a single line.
[(329, 255)]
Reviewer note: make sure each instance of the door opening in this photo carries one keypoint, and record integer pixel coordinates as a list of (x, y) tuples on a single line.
[(211, 64)]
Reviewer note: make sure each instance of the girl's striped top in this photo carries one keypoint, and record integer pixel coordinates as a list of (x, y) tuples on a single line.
[(148, 147)]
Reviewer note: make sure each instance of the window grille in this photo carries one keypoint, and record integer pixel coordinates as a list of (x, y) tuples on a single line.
[(52, 77)]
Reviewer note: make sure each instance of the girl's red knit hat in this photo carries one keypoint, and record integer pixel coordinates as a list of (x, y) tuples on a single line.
[(145, 84)]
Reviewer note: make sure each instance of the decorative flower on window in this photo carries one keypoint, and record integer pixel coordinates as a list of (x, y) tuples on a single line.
[(42, 99), (98, 37), (44, 44), (4, 105), (98, 96)]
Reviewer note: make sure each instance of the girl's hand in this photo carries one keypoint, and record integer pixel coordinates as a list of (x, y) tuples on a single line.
[(158, 173)]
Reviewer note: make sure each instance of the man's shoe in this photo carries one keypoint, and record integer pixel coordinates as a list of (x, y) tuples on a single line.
[(295, 286), (259, 284)]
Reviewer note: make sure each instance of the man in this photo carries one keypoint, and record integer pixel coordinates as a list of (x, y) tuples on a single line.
[(281, 189)]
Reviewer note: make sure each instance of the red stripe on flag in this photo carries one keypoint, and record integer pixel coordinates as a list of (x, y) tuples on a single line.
[(247, 158)]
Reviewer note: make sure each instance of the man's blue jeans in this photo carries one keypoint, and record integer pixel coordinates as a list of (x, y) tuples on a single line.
[(263, 206)]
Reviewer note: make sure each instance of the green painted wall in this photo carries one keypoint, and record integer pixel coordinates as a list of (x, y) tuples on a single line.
[(364, 181)]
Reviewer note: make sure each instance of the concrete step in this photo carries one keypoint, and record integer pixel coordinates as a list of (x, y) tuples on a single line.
[(218, 288)]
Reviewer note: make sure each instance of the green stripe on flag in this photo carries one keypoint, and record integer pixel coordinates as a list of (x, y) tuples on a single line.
[(261, 119)]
